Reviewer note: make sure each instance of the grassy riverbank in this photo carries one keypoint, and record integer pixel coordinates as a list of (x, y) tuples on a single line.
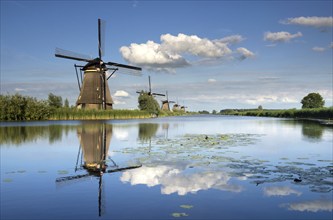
[(317, 113), (24, 108), (79, 114)]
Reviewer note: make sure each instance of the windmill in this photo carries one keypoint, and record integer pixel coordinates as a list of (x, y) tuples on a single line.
[(94, 89), (183, 108), (165, 103), (150, 93), (94, 144), (176, 106)]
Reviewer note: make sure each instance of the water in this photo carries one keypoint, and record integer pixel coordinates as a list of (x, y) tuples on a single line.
[(197, 167)]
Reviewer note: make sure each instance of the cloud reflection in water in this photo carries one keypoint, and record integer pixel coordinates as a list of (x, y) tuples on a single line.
[(173, 180), (280, 191), (311, 206)]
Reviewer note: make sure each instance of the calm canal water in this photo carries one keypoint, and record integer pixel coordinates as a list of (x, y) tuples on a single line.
[(196, 167)]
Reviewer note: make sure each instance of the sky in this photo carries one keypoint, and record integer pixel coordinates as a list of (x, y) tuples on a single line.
[(208, 55)]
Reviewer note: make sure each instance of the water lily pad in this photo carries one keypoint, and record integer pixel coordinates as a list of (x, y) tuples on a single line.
[(325, 160), (42, 171), (61, 172), (186, 206), (179, 214), (7, 180)]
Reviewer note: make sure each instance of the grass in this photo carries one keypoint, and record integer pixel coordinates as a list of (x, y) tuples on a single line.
[(83, 114), (317, 113)]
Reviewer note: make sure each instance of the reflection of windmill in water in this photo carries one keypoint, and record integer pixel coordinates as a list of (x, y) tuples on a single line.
[(94, 88), (150, 93), (94, 145), (165, 103)]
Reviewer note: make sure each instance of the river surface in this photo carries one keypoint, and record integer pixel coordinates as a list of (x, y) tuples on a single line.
[(194, 167)]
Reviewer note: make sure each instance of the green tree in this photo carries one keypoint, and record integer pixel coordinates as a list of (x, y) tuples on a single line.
[(260, 108), (313, 100), (214, 112), (148, 103), (54, 101), (19, 108), (203, 112), (66, 104)]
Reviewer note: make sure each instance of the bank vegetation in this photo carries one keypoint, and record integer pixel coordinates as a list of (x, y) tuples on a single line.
[(24, 108)]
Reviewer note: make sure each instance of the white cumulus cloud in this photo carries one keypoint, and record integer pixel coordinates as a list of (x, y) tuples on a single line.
[(211, 80), (318, 49), (151, 54), (245, 53), (121, 93), (171, 52), (194, 45), (281, 36), (20, 90), (310, 21), (233, 39)]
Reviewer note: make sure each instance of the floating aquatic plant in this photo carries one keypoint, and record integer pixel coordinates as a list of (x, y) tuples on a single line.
[(7, 180), (62, 172), (179, 214), (21, 171), (186, 206), (201, 152), (42, 171)]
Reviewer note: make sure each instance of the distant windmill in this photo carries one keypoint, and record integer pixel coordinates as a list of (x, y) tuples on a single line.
[(176, 107), (94, 89), (183, 108), (165, 103), (150, 93)]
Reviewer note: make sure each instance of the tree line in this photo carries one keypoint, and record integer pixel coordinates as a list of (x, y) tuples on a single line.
[(24, 108)]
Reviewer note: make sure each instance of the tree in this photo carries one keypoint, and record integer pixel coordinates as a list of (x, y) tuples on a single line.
[(19, 108), (214, 112), (260, 108), (313, 100), (54, 101), (66, 104), (148, 103), (203, 112)]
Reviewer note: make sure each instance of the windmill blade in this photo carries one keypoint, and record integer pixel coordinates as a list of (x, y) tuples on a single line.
[(149, 85), (124, 168), (121, 70), (101, 37), (76, 177), (158, 94), (71, 55), (123, 66)]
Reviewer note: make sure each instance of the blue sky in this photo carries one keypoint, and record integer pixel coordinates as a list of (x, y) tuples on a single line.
[(207, 54)]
